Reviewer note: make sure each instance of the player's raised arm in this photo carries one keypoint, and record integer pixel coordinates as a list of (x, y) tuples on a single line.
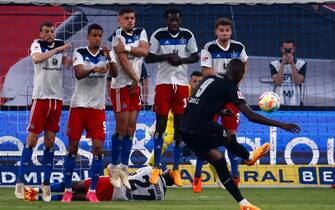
[(257, 118), (39, 57), (207, 63)]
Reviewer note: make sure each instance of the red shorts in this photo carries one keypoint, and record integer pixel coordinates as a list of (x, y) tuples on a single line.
[(104, 190), (92, 120), (45, 115), (170, 97), (122, 100), (230, 122)]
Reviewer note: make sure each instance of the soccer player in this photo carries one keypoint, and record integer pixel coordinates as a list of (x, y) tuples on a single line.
[(214, 59), (141, 189), (91, 64), (173, 48), (203, 135), (49, 58), (195, 79), (130, 45)]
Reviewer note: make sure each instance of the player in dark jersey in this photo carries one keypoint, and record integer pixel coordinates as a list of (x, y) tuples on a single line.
[(203, 135)]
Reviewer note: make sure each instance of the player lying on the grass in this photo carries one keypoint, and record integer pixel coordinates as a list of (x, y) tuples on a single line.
[(204, 136), (141, 189)]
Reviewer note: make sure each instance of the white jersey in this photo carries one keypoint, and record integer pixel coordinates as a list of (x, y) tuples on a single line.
[(48, 78), (289, 93), (90, 91), (141, 188), (215, 56), (183, 44), (132, 40)]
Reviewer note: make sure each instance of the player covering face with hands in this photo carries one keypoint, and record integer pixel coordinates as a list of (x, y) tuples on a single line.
[(203, 135)]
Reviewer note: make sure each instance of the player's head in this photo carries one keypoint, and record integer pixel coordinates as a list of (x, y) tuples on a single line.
[(223, 29), (195, 79), (127, 19), (173, 19), (47, 32), (236, 70), (287, 47), (94, 35)]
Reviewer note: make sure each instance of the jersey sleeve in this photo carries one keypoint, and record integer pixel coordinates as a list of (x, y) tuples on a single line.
[(35, 48), (77, 58), (192, 45), (116, 39), (302, 70), (154, 44), (144, 36), (206, 59), (273, 70), (236, 96), (244, 56), (112, 55)]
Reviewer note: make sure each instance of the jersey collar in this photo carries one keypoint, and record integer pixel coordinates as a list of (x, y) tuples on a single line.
[(173, 36), (225, 49), (94, 55)]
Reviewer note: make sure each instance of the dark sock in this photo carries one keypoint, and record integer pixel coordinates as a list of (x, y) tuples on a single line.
[(95, 171), (237, 149), (176, 155), (57, 187), (198, 168), (158, 143), (47, 162), (69, 164), (27, 152), (116, 149), (225, 178), (127, 144), (234, 164)]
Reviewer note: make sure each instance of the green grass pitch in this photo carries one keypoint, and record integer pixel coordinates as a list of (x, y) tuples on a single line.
[(184, 199)]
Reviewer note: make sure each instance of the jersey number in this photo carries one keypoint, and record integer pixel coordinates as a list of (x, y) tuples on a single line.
[(203, 87), (144, 184)]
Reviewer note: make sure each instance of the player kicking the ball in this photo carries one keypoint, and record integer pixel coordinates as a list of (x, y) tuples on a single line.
[(203, 135), (91, 64), (49, 58)]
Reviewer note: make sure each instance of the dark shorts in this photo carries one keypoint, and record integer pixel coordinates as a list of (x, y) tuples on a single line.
[(201, 144)]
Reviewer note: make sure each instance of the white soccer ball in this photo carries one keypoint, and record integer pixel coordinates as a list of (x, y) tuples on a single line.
[(269, 102)]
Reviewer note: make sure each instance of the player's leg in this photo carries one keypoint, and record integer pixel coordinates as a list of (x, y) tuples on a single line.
[(197, 181), (163, 98), (37, 121), (177, 152)]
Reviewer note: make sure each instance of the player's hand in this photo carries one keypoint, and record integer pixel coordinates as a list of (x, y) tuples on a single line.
[(174, 60), (101, 70), (290, 59), (106, 53), (119, 48), (293, 128), (64, 47), (132, 87)]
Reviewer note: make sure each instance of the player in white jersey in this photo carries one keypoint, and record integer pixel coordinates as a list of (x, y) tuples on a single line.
[(172, 48), (130, 45), (48, 55), (141, 188), (91, 64), (214, 60)]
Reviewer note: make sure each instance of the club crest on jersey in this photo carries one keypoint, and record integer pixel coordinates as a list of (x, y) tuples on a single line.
[(234, 55), (54, 61), (102, 58), (182, 41)]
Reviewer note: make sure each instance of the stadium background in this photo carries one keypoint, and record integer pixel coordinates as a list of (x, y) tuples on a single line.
[(306, 159)]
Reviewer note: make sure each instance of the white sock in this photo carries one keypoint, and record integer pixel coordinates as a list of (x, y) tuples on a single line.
[(68, 189), (124, 167), (251, 156), (91, 190), (37, 189), (243, 202)]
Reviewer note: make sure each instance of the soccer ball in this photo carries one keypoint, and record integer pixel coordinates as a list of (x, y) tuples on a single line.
[(269, 102)]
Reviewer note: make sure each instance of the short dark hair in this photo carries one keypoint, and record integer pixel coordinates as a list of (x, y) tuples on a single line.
[(288, 41), (223, 22), (94, 26), (126, 10), (196, 74), (172, 11), (236, 68), (46, 24)]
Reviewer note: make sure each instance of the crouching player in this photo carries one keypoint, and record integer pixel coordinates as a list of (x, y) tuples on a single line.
[(141, 189)]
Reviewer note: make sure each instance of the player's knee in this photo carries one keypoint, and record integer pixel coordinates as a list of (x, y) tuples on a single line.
[(49, 140), (73, 147), (31, 140), (97, 150)]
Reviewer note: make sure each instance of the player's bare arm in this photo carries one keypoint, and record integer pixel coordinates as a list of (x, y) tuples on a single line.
[(80, 72), (296, 77), (110, 65), (140, 51), (40, 57), (193, 58), (257, 118), (152, 58)]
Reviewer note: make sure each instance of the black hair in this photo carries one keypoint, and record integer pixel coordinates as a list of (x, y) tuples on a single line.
[(236, 69), (223, 22), (126, 10), (196, 74), (46, 24), (172, 11), (94, 26), (288, 41)]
